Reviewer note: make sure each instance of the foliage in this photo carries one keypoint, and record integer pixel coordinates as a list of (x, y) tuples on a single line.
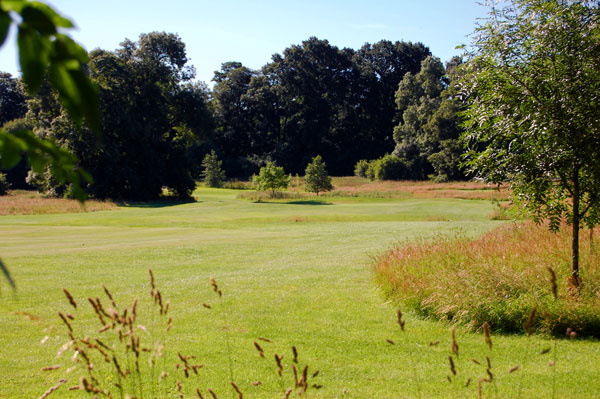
[(388, 167), (153, 120), (361, 167), (12, 98), (316, 178), (312, 98), (4, 184), (271, 177), (532, 83), (45, 50), (427, 136), (212, 175)]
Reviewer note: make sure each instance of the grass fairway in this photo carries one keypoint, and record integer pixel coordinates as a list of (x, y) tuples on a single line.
[(297, 273)]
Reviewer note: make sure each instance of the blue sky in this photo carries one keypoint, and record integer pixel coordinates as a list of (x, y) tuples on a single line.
[(217, 31)]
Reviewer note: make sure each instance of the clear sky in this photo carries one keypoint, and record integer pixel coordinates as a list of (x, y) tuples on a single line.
[(250, 31)]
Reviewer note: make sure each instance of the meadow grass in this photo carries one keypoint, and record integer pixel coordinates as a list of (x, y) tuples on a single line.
[(295, 273), (23, 202), (498, 278)]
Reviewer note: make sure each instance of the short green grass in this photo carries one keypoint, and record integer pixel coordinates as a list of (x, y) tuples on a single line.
[(296, 273)]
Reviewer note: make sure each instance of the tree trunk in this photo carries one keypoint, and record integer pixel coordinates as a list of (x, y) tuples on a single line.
[(574, 280)]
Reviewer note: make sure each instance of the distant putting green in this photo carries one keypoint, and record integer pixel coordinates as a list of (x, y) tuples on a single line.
[(297, 273)]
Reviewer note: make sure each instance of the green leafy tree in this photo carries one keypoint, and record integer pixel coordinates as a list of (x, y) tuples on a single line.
[(12, 98), (271, 177), (212, 174), (532, 82), (427, 136), (316, 178), (153, 119)]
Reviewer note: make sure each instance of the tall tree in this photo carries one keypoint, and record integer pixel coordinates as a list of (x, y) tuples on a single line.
[(532, 82), (233, 119), (151, 114), (381, 67), (427, 136)]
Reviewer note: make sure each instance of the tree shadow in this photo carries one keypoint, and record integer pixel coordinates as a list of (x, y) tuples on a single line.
[(161, 203), (299, 202)]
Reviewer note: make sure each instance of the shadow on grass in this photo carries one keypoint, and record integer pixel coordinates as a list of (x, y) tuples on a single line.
[(160, 203), (300, 202)]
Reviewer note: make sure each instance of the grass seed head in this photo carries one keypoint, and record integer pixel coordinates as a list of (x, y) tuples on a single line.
[(295, 353), (452, 366), (529, 325), (70, 298), (454, 344), (486, 334), (400, 321)]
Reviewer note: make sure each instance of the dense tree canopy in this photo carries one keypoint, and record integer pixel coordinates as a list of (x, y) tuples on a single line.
[(533, 84), (314, 98), (427, 136), (152, 117), (12, 98)]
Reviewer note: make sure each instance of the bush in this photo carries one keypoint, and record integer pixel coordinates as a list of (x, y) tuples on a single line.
[(498, 278), (388, 167), (4, 184), (361, 167), (270, 178)]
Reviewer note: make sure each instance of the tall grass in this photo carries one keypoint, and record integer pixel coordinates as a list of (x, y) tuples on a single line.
[(22, 202), (498, 278), (123, 353)]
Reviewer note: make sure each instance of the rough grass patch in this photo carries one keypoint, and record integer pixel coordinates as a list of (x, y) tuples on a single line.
[(498, 278), (22, 202)]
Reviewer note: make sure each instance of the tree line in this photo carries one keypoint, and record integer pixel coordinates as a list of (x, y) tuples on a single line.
[(313, 99)]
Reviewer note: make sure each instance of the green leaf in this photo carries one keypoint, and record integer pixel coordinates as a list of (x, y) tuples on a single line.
[(12, 5), (58, 20), (33, 57), (67, 89), (89, 104), (67, 48), (38, 20), (10, 150), (4, 26)]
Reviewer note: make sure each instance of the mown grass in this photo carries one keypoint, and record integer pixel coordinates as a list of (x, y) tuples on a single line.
[(292, 272), (498, 278)]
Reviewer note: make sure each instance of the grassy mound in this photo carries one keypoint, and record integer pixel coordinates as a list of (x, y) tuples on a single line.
[(499, 278)]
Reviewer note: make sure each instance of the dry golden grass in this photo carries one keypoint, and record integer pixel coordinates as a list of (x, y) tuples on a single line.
[(21, 202), (498, 278), (356, 186)]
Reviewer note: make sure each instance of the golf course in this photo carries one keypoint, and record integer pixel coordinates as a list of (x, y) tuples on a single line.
[(292, 273)]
